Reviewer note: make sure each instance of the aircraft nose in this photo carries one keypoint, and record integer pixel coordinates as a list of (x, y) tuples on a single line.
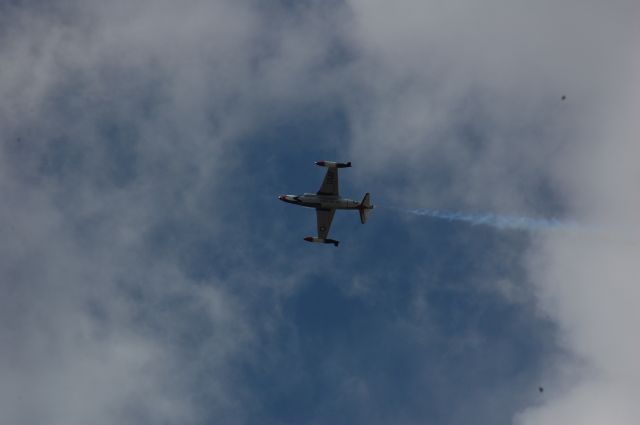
[(281, 197)]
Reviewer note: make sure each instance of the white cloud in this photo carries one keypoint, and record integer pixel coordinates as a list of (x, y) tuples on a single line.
[(502, 67), (469, 90), (477, 87), (118, 129), (588, 282)]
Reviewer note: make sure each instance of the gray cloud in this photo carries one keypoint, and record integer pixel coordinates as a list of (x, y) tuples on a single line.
[(118, 131), (478, 87), (499, 68), (587, 282), (122, 122)]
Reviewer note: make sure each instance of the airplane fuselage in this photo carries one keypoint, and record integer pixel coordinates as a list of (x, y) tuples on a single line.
[(313, 200)]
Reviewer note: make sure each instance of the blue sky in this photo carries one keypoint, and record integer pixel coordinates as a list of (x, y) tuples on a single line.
[(151, 276), (418, 329)]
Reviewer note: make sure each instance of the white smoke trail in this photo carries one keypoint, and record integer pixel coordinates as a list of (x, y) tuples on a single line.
[(529, 224), (498, 221)]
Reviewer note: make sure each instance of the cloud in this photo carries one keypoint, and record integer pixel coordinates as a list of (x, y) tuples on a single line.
[(141, 289), (475, 89), (118, 142), (587, 283)]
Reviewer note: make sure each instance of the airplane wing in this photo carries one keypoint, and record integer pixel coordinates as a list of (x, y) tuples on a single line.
[(330, 183), (324, 217)]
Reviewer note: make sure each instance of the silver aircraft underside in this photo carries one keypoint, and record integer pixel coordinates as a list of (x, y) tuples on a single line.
[(327, 200)]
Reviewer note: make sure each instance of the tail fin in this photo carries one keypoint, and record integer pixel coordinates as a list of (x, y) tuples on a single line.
[(365, 208)]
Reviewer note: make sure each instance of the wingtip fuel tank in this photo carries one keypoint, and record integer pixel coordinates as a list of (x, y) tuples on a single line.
[(322, 240), (333, 164)]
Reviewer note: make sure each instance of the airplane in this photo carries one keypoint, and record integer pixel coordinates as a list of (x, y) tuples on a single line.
[(327, 200)]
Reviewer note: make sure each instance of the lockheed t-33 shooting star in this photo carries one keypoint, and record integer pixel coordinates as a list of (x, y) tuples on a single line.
[(327, 200)]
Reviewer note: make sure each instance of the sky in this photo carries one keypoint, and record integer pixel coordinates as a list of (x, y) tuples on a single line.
[(149, 274)]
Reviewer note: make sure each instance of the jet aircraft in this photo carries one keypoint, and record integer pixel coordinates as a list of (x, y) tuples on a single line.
[(327, 200)]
